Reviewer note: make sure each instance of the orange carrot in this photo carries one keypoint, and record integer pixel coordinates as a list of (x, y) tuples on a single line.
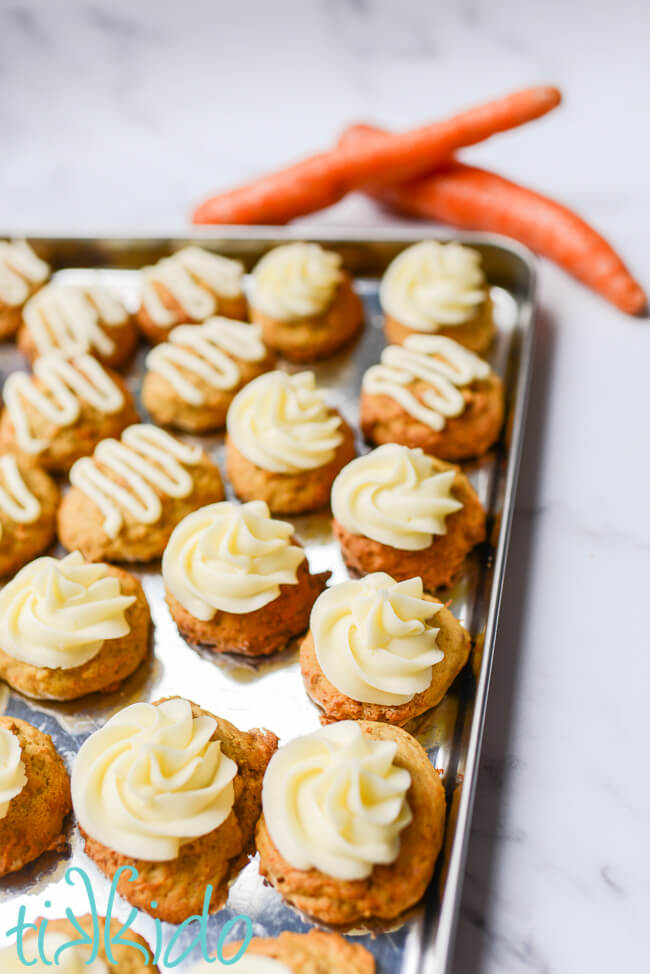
[(479, 200), (323, 179)]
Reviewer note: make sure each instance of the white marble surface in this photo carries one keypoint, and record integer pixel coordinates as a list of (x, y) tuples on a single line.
[(121, 115)]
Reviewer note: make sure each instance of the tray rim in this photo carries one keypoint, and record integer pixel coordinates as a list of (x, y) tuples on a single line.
[(438, 951)]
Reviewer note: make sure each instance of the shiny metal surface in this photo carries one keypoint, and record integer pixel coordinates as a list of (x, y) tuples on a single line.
[(271, 694)]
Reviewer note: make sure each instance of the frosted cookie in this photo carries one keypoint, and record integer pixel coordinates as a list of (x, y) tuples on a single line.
[(378, 649), (343, 852), (237, 581), (175, 792), (285, 445), (432, 393), (399, 511), (77, 320), (188, 287), (304, 302), (68, 628), (438, 288), (128, 497), (316, 952), (75, 956), (63, 410), (34, 795), (28, 503), (22, 273), (192, 378)]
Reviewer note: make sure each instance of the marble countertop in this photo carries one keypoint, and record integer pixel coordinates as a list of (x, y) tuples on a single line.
[(118, 115)]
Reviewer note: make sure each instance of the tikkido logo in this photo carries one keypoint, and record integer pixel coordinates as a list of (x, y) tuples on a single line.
[(102, 936)]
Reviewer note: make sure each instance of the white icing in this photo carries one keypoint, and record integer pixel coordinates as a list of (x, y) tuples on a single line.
[(335, 801), (20, 272), (12, 773), (74, 959), (395, 496), (207, 351), (151, 779), (58, 613), (70, 319), (282, 423), (196, 279), (231, 558), (62, 384), (444, 364), (373, 638), (432, 284), (16, 500), (296, 280), (130, 459)]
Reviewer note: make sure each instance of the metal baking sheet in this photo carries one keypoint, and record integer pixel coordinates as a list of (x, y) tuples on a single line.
[(271, 693)]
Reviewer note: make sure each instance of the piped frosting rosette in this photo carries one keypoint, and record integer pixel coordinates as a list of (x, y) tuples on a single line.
[(433, 284), (12, 770), (335, 801), (373, 638), (282, 423), (395, 496), (152, 779), (231, 558), (296, 280), (58, 613)]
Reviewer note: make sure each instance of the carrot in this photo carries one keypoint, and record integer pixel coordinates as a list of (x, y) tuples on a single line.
[(480, 200), (323, 179)]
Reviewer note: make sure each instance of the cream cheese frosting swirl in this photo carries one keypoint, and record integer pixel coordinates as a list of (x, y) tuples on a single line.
[(74, 959), (335, 801), (433, 284), (440, 362), (373, 638), (282, 423), (195, 278), (70, 319), (395, 496), (59, 613), (152, 779), (296, 280), (209, 352), (12, 772), (230, 558), (247, 964), (20, 272)]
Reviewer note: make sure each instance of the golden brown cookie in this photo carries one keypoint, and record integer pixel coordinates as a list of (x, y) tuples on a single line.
[(192, 378), (109, 515), (178, 885), (33, 822), (187, 288), (115, 661), (389, 890), (433, 394), (77, 320), (318, 336), (55, 935), (22, 274), (453, 640), (63, 411), (315, 952), (476, 334), (440, 562), (29, 499)]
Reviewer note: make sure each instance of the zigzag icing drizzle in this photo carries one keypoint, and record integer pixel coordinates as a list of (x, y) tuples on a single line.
[(130, 459), (20, 271), (64, 383), (441, 362), (16, 500), (67, 318), (205, 351), (195, 278)]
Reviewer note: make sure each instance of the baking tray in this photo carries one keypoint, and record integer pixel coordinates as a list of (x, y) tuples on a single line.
[(271, 694)]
